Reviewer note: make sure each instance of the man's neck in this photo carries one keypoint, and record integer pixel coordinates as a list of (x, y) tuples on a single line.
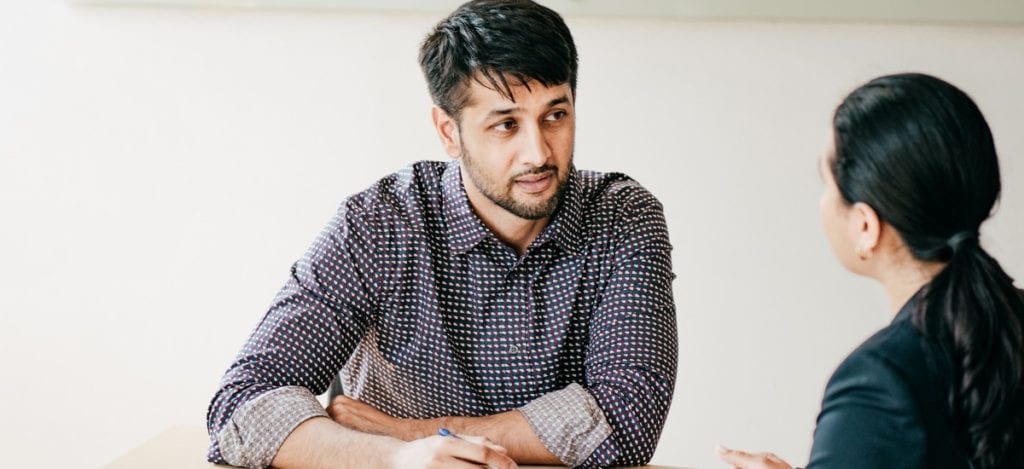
[(512, 230)]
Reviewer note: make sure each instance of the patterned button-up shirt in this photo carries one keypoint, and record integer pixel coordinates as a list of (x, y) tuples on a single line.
[(425, 313)]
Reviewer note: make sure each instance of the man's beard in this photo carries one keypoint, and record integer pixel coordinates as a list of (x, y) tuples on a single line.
[(502, 196)]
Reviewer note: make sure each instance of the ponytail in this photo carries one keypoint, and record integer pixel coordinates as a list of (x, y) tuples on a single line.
[(974, 312)]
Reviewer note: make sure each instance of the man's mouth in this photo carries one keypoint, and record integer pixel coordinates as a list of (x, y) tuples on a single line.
[(535, 183)]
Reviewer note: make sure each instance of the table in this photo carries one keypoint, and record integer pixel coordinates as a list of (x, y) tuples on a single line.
[(185, 448)]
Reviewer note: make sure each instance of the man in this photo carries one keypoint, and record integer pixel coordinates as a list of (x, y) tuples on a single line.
[(504, 295)]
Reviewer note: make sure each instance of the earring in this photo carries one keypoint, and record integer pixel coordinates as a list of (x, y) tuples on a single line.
[(863, 252)]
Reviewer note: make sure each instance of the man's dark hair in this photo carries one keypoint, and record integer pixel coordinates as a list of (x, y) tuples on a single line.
[(493, 41)]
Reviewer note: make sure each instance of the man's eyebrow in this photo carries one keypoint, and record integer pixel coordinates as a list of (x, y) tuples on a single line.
[(503, 112), (564, 99)]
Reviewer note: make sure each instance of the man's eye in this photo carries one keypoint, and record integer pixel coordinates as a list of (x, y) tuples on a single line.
[(506, 126), (556, 116)]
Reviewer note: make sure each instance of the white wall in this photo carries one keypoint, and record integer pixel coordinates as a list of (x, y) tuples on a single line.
[(160, 169)]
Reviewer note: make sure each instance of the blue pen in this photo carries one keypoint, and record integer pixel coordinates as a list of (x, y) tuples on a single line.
[(445, 432)]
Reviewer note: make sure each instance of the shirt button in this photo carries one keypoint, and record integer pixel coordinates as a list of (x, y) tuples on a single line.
[(513, 349)]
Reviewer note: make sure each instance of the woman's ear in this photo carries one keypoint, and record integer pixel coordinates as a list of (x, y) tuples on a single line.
[(448, 129), (867, 229)]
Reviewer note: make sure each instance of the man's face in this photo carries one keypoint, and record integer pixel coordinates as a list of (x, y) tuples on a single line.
[(517, 155)]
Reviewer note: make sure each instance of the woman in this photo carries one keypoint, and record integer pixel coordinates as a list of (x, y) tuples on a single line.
[(911, 176)]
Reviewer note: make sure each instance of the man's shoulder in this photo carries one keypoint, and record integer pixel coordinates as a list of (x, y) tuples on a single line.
[(400, 194), (613, 191)]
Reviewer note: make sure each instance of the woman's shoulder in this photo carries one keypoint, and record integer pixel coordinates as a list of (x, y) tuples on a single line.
[(899, 343), (870, 415), (900, 352), (893, 388), (900, 367)]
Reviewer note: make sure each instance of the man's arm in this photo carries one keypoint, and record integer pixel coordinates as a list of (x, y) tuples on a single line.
[(311, 328), (509, 429), (319, 442), (633, 342)]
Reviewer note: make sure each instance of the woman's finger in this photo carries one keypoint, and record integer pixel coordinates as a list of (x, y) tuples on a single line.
[(744, 460)]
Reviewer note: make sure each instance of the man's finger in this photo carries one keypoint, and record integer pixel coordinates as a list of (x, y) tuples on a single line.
[(467, 450), (453, 463), (483, 441), (342, 399)]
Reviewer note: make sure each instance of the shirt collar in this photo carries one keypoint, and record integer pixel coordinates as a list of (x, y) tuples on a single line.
[(466, 230), (566, 228)]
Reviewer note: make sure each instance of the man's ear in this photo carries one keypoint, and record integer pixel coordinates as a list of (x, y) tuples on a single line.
[(448, 129)]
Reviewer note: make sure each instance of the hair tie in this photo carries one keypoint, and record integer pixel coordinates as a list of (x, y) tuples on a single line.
[(963, 238)]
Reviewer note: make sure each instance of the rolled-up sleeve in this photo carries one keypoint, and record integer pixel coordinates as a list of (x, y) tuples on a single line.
[(257, 428), (308, 333), (568, 422), (630, 364)]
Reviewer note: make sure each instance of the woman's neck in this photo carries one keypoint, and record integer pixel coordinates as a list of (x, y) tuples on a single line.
[(902, 280)]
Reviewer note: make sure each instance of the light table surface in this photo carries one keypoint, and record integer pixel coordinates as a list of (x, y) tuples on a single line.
[(185, 448)]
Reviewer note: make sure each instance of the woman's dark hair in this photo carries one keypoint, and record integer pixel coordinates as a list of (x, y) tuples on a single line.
[(919, 152), (495, 40)]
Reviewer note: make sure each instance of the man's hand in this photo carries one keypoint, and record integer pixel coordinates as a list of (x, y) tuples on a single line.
[(743, 460), (365, 418), (319, 442), (465, 452), (510, 428)]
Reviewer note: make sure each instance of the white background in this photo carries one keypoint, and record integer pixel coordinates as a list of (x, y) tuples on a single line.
[(160, 170)]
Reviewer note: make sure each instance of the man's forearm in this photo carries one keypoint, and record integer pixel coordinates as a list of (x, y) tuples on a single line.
[(509, 429), (320, 442)]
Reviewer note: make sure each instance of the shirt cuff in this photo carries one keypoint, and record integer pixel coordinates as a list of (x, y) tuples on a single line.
[(569, 423), (256, 430)]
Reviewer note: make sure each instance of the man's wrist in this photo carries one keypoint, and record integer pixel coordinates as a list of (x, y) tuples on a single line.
[(415, 429)]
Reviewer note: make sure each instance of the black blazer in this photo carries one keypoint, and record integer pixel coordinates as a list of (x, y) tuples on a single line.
[(886, 405)]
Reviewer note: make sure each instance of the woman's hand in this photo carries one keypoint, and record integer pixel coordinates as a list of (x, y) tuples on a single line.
[(743, 460)]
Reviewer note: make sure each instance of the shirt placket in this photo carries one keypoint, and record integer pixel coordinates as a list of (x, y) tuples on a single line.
[(521, 308)]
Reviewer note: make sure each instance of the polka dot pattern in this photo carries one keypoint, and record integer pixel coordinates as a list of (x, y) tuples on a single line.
[(425, 313)]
